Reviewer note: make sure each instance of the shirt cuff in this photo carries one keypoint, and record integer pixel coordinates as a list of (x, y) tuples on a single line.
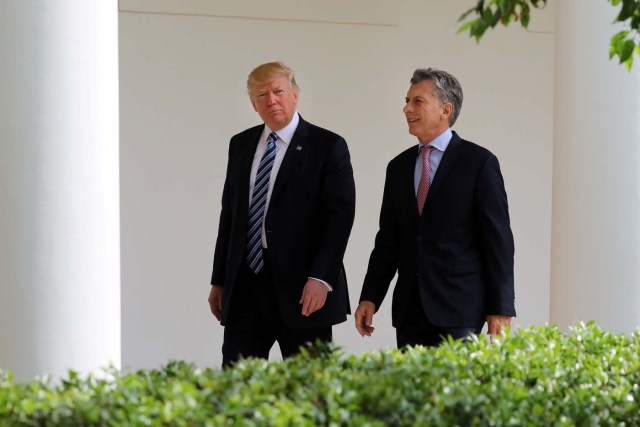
[(323, 282)]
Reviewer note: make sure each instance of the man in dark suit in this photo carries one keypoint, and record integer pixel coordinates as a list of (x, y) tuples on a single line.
[(287, 210), (444, 228)]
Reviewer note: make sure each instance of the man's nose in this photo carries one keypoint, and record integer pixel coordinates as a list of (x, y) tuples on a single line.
[(271, 98)]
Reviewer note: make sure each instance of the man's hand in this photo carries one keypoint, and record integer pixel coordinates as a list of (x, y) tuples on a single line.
[(215, 301), (364, 318), (313, 297), (497, 323)]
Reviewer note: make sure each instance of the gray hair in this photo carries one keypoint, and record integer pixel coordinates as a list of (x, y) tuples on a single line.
[(448, 89)]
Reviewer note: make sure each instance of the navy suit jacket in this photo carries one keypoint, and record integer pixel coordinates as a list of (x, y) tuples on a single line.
[(307, 224), (460, 250)]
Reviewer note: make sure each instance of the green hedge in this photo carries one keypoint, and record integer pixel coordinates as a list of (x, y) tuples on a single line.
[(536, 377)]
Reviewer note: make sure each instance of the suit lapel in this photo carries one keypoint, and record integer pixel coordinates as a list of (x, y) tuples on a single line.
[(447, 163), (245, 163), (408, 186), (292, 157)]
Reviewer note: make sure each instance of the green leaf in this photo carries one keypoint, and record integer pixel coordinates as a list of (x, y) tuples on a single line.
[(506, 8), (496, 18), (618, 37), (465, 27), (525, 15), (627, 11), (616, 43), (487, 17), (627, 51), (467, 13), (477, 29)]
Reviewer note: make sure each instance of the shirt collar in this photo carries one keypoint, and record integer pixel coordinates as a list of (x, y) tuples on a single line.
[(441, 142), (286, 133)]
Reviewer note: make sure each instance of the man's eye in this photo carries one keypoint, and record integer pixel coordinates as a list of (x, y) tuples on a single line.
[(262, 95), (279, 91)]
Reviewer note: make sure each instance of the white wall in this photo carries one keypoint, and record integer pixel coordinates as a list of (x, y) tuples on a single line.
[(595, 215), (183, 67)]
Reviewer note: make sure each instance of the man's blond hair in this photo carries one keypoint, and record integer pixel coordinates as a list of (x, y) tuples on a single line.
[(264, 73)]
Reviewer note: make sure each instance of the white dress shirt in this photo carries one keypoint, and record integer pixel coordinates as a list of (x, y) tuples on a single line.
[(284, 138)]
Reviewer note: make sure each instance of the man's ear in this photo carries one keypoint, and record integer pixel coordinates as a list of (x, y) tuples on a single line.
[(253, 104), (447, 109)]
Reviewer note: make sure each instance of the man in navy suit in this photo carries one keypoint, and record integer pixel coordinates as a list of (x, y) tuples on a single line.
[(288, 206), (444, 228)]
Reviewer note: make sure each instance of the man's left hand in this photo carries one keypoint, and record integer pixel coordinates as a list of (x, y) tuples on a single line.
[(497, 323), (314, 296)]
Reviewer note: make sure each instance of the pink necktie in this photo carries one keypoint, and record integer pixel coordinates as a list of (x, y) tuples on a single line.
[(423, 187)]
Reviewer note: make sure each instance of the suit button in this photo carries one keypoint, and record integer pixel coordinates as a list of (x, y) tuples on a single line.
[(419, 238)]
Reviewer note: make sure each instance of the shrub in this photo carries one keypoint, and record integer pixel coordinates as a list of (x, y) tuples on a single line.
[(533, 377)]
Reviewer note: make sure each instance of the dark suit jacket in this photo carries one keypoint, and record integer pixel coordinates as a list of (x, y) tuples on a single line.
[(460, 249), (307, 224)]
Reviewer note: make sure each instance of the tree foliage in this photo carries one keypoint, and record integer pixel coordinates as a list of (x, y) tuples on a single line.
[(488, 13)]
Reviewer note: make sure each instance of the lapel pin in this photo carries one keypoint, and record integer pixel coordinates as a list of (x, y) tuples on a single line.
[(299, 148)]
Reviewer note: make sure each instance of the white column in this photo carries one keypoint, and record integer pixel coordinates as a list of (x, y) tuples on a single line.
[(59, 186), (595, 265)]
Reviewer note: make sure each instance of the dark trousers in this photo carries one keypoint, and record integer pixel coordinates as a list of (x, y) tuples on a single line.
[(255, 323), (418, 329)]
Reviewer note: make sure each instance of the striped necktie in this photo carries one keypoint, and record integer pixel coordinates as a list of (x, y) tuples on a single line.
[(423, 187), (258, 205)]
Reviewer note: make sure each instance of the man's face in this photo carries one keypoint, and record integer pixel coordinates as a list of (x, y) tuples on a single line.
[(275, 102), (426, 117)]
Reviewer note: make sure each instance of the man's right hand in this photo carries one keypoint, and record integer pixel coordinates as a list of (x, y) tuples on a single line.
[(364, 318), (215, 301)]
